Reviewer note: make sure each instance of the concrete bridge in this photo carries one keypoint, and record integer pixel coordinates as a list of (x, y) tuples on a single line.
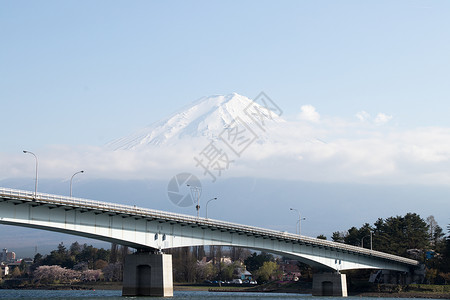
[(151, 231)]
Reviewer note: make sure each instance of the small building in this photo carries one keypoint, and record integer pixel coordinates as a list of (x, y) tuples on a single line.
[(226, 260), (208, 260), (3, 255), (291, 271), (6, 256), (245, 275), (4, 270), (13, 265)]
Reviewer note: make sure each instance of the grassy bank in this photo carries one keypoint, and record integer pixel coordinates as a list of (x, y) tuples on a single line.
[(420, 291), (403, 291)]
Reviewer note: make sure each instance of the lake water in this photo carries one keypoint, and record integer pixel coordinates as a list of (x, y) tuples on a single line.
[(116, 295)]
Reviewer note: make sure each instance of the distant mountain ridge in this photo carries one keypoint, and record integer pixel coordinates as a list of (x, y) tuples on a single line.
[(206, 117)]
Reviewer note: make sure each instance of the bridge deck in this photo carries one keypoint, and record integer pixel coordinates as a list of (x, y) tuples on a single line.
[(7, 194)]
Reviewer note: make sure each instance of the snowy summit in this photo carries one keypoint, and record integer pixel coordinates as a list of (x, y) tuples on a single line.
[(206, 117)]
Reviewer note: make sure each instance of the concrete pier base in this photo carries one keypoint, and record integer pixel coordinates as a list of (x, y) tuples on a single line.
[(329, 284), (146, 274)]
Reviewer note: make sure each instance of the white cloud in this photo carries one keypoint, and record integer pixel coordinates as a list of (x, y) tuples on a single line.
[(363, 116), (328, 151), (381, 119), (309, 113)]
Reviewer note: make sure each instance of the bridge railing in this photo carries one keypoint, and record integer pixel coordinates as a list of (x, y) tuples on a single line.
[(145, 212)]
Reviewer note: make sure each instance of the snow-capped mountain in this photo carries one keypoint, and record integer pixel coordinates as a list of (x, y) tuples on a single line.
[(206, 117)]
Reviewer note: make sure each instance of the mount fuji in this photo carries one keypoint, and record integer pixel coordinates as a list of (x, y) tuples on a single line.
[(206, 118)]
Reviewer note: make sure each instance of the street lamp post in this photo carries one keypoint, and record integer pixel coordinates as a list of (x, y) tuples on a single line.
[(299, 221), (207, 205), (362, 240), (196, 190), (36, 178), (72, 179)]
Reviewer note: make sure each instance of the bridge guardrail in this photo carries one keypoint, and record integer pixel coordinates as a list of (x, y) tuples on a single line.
[(145, 212)]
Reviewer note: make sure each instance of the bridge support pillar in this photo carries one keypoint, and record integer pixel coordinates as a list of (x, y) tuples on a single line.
[(147, 274), (329, 284)]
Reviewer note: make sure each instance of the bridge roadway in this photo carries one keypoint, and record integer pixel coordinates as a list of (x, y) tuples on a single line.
[(147, 229)]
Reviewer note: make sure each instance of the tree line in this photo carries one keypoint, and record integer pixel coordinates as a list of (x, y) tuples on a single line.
[(86, 263), (78, 263), (222, 264), (407, 236)]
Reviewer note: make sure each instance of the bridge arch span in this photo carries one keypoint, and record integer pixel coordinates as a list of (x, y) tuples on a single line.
[(147, 229)]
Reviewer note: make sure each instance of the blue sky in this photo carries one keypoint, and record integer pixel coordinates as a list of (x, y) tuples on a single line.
[(371, 76), (86, 72)]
